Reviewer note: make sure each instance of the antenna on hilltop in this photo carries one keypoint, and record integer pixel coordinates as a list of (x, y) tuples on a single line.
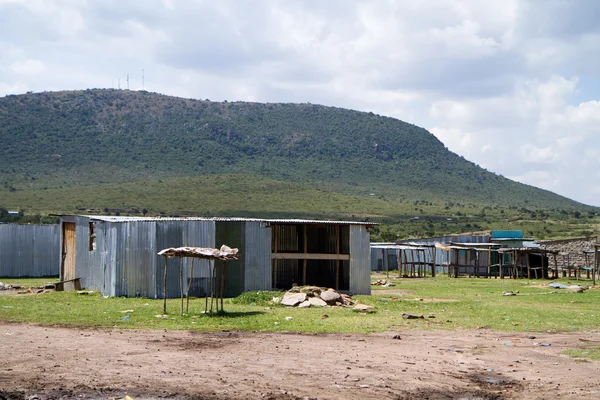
[(127, 81), (142, 79), (119, 83)]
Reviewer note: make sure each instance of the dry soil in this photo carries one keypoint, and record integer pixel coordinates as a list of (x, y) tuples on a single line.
[(41, 362)]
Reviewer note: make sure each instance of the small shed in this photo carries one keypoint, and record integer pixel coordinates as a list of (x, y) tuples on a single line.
[(118, 255)]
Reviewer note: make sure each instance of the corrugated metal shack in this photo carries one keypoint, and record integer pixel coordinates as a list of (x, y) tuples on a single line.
[(472, 254), (117, 255), (29, 250)]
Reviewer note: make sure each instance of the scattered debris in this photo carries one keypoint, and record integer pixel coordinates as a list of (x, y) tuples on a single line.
[(383, 283), (411, 316), (288, 318), (126, 311), (589, 340), (163, 316), (85, 292), (397, 337), (576, 288), (363, 308), (508, 293), (323, 316)]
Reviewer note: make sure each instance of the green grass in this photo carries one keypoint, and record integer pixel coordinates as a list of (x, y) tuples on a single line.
[(455, 303), (26, 282), (211, 195), (592, 353)]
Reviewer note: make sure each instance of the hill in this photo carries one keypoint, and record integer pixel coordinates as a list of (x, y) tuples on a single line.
[(128, 151), (102, 136)]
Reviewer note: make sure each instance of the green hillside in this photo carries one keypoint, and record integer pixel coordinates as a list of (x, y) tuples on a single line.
[(119, 151), (108, 136)]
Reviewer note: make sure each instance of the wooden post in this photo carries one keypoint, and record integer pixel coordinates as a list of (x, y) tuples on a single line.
[(275, 232), (337, 262), (305, 255), (595, 269), (385, 263), (223, 266), (181, 282), (528, 266), (187, 306), (213, 286), (399, 257), (501, 260), (433, 261), (555, 266), (594, 265), (209, 288), (489, 268), (165, 287)]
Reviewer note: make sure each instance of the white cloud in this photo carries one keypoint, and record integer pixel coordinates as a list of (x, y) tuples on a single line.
[(28, 67), (497, 80)]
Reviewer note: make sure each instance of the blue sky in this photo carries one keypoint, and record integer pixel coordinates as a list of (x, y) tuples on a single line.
[(510, 85)]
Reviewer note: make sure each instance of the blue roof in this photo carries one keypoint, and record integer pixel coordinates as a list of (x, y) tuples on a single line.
[(507, 234)]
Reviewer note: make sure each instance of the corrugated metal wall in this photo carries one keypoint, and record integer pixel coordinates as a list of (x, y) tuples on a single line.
[(360, 260), (88, 264), (257, 257), (198, 234), (139, 265), (231, 234), (29, 250), (378, 259)]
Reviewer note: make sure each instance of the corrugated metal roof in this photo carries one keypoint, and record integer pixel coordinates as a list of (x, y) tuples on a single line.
[(109, 218)]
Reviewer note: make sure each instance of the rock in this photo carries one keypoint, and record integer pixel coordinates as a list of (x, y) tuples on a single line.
[(397, 337), (293, 299), (509, 293), (330, 297), (323, 316), (316, 302), (310, 289), (304, 304), (411, 316), (289, 318), (347, 300), (363, 308)]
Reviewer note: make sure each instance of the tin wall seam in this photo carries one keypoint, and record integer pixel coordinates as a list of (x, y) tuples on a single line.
[(29, 250), (360, 260), (257, 256)]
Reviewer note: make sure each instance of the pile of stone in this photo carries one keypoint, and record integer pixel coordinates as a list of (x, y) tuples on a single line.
[(382, 283), (5, 286), (313, 296)]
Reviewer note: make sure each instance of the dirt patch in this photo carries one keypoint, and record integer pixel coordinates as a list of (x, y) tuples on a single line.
[(63, 363)]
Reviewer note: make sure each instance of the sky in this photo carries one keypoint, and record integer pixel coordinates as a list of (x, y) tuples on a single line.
[(512, 85)]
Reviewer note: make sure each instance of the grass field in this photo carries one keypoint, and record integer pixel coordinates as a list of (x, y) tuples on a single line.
[(455, 304), (212, 195)]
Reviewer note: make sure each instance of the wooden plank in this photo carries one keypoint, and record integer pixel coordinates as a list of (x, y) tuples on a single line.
[(305, 251), (337, 262), (309, 256)]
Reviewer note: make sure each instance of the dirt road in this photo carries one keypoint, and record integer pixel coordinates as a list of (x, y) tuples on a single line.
[(59, 363)]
